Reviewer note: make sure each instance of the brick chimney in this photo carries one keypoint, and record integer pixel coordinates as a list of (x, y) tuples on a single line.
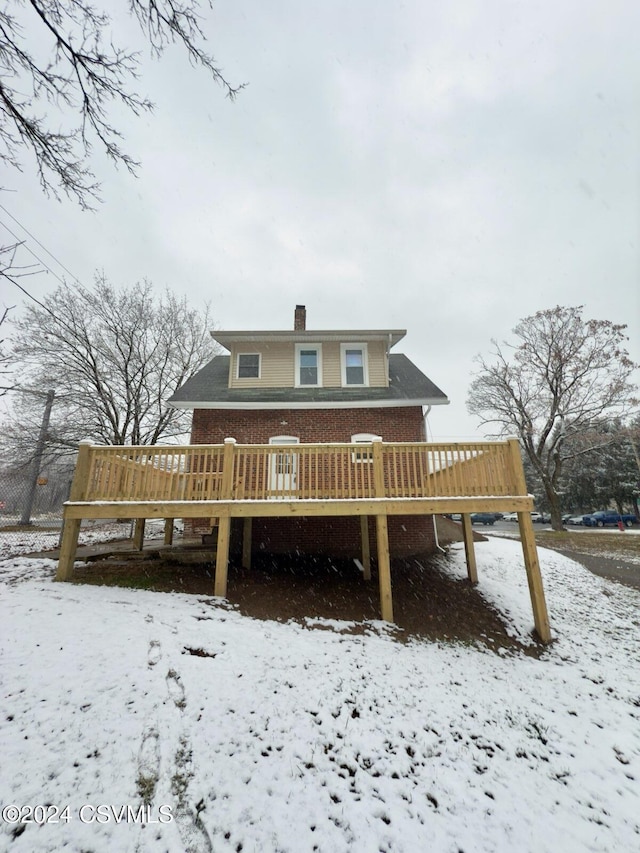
[(300, 319)]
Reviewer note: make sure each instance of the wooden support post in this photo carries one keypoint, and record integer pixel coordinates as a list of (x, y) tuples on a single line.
[(168, 531), (529, 550), (71, 526), (384, 568), (226, 485), (378, 468), (222, 557), (246, 542), (224, 521), (469, 550), (80, 484), (68, 548), (382, 535), (138, 534), (366, 548), (534, 578)]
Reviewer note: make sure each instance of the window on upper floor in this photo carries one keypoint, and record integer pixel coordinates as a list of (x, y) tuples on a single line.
[(248, 365), (308, 365), (354, 367)]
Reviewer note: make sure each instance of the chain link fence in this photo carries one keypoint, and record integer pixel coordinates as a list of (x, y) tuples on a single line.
[(31, 511)]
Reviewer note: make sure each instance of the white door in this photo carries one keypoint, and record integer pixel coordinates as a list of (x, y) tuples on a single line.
[(284, 468)]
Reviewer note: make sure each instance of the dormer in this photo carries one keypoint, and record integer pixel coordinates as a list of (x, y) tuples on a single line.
[(304, 358), (308, 369)]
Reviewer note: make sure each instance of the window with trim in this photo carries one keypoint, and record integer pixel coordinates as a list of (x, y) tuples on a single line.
[(308, 365), (353, 362), (248, 366), (366, 454)]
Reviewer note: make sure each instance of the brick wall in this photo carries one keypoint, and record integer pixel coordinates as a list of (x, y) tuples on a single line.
[(340, 537), (212, 426), (336, 536)]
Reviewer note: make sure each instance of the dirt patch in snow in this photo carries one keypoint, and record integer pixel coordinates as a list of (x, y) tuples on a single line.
[(427, 602)]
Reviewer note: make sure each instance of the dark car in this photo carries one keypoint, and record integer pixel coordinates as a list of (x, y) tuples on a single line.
[(483, 518), (607, 518)]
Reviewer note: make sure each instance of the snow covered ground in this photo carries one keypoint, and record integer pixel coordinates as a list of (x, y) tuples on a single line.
[(27, 541), (234, 734)]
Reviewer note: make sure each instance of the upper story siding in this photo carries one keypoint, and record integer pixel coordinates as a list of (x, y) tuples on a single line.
[(278, 363)]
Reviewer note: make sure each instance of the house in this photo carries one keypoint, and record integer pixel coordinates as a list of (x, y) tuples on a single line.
[(304, 386), (310, 442)]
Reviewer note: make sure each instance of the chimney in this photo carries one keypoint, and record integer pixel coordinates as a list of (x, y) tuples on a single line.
[(300, 319)]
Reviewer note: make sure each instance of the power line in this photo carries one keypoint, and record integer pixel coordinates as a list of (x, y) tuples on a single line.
[(44, 264), (40, 261), (42, 246)]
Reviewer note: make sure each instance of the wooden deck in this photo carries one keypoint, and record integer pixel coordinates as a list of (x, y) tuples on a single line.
[(220, 482)]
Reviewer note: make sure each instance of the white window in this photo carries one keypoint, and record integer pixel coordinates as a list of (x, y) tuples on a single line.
[(308, 365), (354, 366), (366, 454), (248, 365)]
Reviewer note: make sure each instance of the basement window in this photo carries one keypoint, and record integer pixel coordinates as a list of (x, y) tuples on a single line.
[(248, 365)]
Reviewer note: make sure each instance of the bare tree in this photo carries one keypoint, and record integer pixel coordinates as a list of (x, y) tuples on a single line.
[(553, 386), (61, 75), (4, 356), (113, 356)]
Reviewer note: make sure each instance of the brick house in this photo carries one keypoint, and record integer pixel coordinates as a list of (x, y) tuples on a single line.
[(304, 387)]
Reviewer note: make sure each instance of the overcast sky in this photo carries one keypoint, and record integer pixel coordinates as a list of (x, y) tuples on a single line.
[(448, 168)]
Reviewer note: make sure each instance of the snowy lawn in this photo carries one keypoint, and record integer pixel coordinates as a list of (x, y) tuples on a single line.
[(27, 541), (259, 736)]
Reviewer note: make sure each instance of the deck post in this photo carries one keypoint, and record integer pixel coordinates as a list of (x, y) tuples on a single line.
[(71, 526), (529, 550), (384, 568), (226, 486), (366, 548), (534, 578), (382, 535), (138, 534), (246, 542), (168, 531), (469, 550), (224, 521), (222, 556), (68, 548)]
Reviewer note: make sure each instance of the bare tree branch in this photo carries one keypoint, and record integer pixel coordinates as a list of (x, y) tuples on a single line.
[(113, 356), (565, 375), (81, 74)]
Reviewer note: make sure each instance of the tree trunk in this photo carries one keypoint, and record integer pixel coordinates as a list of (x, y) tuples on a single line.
[(554, 508)]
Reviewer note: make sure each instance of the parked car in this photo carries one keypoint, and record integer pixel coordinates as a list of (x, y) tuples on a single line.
[(510, 516), (483, 518), (540, 518), (574, 520), (607, 518)]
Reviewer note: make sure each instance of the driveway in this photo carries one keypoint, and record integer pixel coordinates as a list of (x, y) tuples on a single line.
[(613, 568)]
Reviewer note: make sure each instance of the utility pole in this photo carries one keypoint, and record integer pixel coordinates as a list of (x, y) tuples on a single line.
[(37, 459)]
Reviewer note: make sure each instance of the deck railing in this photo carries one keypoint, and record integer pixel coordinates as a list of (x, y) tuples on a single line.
[(222, 482), (299, 471)]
